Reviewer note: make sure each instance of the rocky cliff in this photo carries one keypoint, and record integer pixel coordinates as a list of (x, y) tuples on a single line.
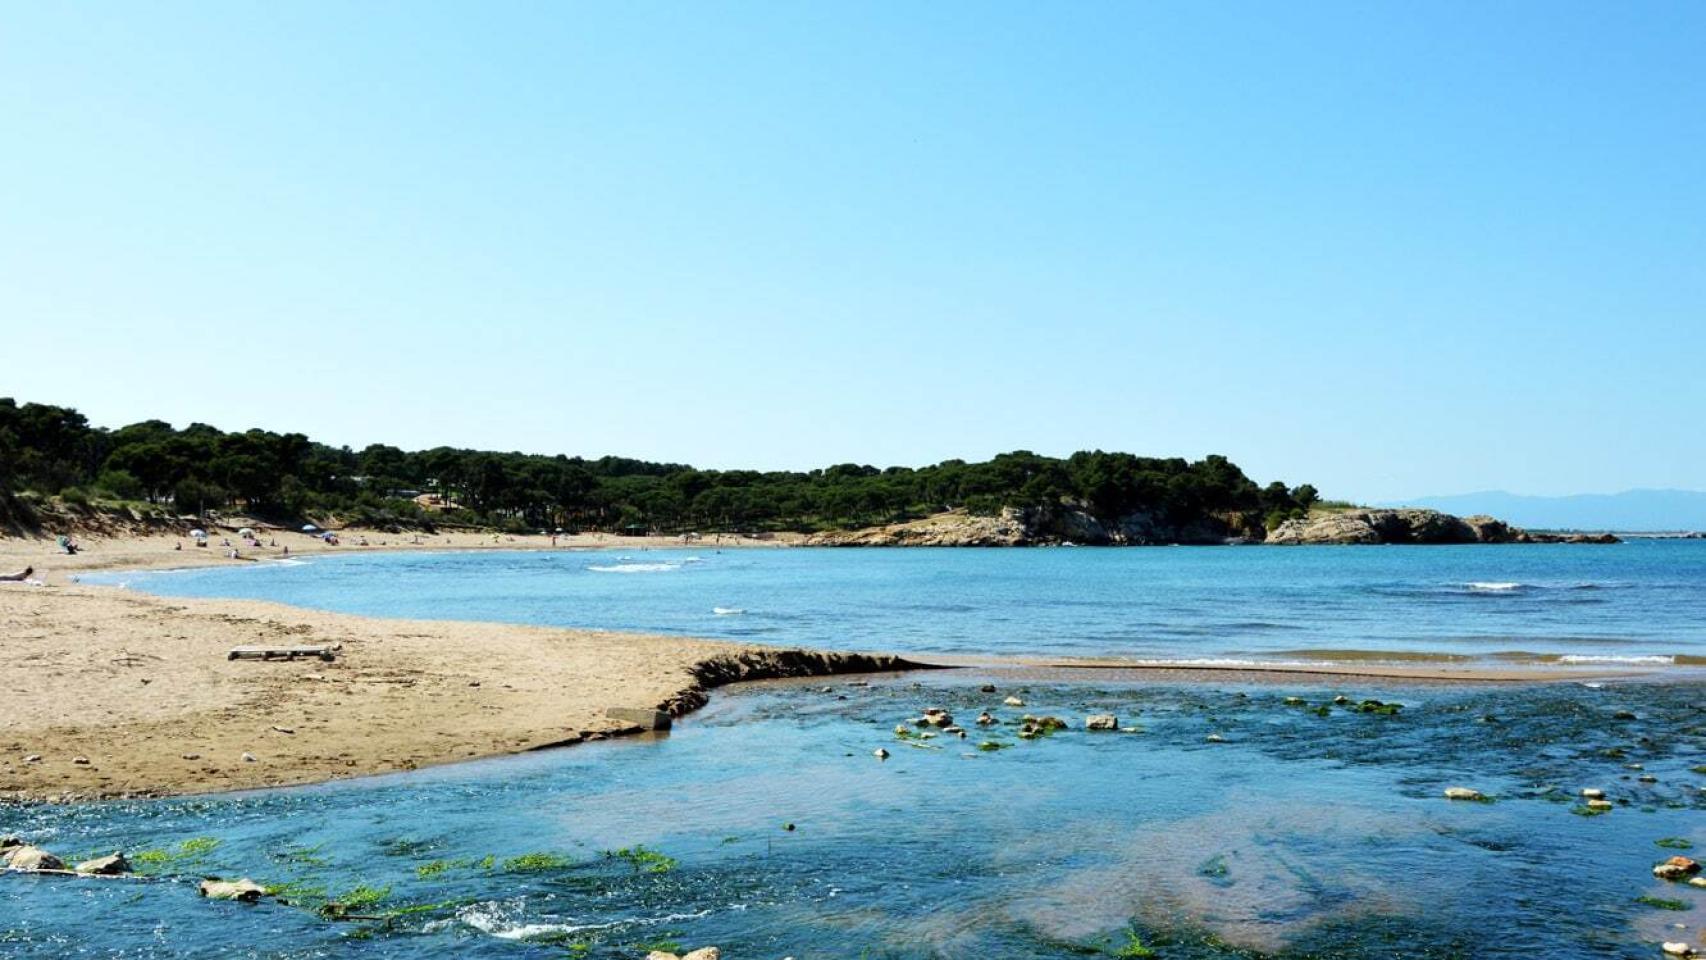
[(1411, 526), (1015, 527), (1070, 524)]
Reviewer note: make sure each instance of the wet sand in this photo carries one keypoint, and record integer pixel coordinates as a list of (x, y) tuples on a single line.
[(141, 689)]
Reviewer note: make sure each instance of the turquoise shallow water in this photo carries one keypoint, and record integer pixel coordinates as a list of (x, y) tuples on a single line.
[(1635, 601), (1299, 836), (1302, 835)]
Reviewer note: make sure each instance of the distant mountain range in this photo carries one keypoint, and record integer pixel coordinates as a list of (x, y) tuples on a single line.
[(1631, 510)]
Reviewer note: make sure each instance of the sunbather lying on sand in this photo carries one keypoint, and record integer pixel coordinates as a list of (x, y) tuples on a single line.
[(20, 576)]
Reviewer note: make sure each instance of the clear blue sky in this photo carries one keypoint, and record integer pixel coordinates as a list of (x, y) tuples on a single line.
[(1393, 249)]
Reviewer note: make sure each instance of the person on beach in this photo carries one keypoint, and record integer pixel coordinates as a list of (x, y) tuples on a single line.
[(18, 577)]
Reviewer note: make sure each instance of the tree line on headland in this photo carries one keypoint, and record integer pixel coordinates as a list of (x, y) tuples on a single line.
[(52, 451)]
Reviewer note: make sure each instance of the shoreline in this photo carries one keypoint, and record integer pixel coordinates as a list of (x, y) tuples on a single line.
[(139, 688)]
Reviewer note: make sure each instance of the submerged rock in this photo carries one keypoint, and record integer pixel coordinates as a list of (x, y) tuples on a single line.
[(1214, 738), (1101, 721), (1600, 804), (880, 753), (1676, 868), (1677, 948), (985, 719), (1593, 793), (1463, 793), (704, 953), (27, 857), (108, 866), (1013, 702), (244, 890)]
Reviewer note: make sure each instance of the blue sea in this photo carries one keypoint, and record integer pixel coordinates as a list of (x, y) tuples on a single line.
[(1234, 819), (1640, 602)]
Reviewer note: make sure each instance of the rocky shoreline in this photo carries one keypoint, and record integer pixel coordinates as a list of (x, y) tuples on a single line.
[(1071, 526), (1419, 526)]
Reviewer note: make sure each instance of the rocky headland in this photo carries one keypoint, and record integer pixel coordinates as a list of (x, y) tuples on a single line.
[(1418, 526), (1066, 524)]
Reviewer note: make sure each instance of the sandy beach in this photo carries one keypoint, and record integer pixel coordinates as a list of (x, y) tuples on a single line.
[(115, 693)]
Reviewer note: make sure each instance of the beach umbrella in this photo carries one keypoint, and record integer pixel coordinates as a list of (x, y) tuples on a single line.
[(246, 532), (309, 528), (199, 534)]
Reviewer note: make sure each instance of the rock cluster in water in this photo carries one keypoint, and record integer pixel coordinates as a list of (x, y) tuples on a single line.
[(23, 857)]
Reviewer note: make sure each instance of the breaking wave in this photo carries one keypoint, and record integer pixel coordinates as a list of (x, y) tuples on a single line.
[(1607, 658), (494, 918), (635, 568)]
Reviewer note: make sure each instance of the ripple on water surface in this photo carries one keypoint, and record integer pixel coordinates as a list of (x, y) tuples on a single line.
[(1312, 828)]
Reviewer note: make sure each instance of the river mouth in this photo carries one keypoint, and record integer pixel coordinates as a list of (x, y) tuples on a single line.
[(1224, 820)]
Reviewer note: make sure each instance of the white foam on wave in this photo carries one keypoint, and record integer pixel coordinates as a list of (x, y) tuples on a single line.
[(1229, 662), (1608, 658), (494, 919), (728, 611), (289, 561), (1494, 586), (635, 568)]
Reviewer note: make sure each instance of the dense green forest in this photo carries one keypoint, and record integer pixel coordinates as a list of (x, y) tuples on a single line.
[(53, 451)]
